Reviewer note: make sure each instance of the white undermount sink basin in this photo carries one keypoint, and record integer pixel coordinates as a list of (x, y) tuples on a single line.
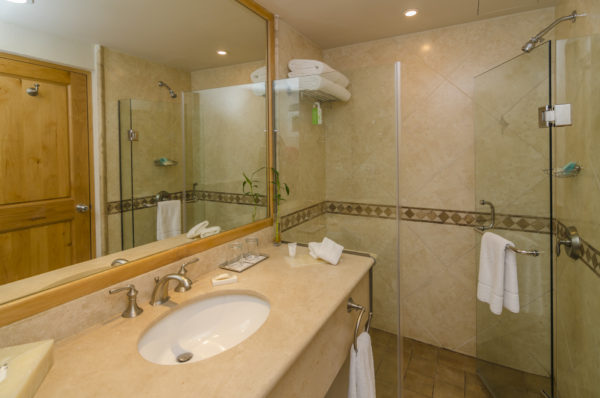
[(203, 328)]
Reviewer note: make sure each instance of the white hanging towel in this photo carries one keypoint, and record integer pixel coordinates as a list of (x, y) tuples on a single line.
[(168, 219), (362, 369), (309, 67), (498, 284)]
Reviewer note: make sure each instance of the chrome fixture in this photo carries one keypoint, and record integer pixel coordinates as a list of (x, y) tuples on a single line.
[(160, 294), (82, 208), (530, 252), (132, 309), (33, 91), (183, 272), (357, 307), (119, 261), (539, 38), (171, 92), (492, 213), (573, 245)]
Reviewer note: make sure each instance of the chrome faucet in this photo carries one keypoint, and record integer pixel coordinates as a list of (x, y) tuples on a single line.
[(160, 294)]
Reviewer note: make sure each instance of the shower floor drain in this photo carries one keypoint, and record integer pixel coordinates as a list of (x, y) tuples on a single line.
[(186, 356)]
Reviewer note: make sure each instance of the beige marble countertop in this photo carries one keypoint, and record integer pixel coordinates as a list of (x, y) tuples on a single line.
[(303, 293)]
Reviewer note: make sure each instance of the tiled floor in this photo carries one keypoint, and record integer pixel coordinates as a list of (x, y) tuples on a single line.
[(431, 372)]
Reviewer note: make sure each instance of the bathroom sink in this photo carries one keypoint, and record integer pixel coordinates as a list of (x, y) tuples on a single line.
[(203, 329)]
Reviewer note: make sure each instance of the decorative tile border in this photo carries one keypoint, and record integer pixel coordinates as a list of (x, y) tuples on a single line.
[(419, 214), (591, 255), (209, 196), (296, 218)]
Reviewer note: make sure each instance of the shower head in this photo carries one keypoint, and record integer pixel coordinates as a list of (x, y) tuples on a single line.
[(539, 38), (171, 92)]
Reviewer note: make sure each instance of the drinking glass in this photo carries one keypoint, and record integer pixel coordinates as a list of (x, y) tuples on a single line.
[(251, 248), (234, 252)]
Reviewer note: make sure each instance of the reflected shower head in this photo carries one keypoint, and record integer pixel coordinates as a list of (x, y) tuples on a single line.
[(171, 92), (529, 45)]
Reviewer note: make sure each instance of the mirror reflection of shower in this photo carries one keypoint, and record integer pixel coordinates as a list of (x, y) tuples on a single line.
[(171, 92), (539, 38)]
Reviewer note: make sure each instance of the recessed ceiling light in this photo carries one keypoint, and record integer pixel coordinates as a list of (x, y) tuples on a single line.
[(411, 12), (21, 1), (222, 52)]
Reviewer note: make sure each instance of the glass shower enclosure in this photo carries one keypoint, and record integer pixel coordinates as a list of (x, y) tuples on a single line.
[(543, 182)]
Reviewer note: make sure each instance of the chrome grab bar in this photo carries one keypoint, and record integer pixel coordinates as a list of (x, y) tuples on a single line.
[(532, 252), (357, 307)]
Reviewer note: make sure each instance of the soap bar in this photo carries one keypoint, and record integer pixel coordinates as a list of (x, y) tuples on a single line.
[(224, 279), (28, 365)]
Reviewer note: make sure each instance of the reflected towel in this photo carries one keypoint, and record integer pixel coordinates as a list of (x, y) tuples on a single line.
[(362, 369), (497, 283), (210, 231), (259, 75), (168, 219), (309, 67)]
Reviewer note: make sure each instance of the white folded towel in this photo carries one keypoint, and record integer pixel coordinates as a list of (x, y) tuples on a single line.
[(210, 231), (319, 83), (327, 250), (195, 231), (168, 219), (334, 76), (362, 369), (308, 67), (498, 284), (259, 75)]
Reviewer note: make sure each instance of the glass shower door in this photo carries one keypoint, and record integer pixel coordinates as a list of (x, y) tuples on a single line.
[(512, 155), (578, 205)]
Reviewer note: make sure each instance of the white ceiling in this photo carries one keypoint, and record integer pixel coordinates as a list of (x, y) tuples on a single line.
[(184, 34), (334, 23)]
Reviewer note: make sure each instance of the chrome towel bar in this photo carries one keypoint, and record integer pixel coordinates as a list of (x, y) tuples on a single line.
[(531, 252), (357, 307)]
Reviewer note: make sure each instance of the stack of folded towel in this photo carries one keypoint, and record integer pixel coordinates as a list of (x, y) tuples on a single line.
[(202, 230), (318, 76), (327, 250)]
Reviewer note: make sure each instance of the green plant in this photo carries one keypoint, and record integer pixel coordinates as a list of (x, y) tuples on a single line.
[(278, 198), (249, 187)]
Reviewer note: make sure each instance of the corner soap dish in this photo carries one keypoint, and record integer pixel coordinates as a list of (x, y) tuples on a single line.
[(570, 170), (164, 162)]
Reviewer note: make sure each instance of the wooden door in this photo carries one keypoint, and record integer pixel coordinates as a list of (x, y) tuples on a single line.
[(44, 168)]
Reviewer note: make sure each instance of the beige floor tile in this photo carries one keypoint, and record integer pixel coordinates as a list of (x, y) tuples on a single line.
[(411, 394), (442, 389), (450, 375), (417, 382)]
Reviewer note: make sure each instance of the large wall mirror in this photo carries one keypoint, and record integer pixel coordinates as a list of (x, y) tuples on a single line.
[(176, 106)]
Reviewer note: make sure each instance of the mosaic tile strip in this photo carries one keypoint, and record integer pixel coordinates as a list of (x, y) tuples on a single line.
[(422, 214), (591, 255), (190, 196), (473, 218), (361, 209), (296, 218)]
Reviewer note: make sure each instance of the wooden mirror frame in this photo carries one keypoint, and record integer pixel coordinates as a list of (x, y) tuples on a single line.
[(30, 305)]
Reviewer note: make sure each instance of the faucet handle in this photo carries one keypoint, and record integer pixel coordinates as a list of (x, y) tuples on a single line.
[(183, 270), (132, 309)]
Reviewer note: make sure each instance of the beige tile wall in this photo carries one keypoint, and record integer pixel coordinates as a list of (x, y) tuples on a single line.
[(577, 353), (436, 156)]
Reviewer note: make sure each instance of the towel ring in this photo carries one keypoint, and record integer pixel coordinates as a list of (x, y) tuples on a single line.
[(357, 307)]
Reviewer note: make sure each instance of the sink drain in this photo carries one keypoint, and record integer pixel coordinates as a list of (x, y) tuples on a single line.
[(186, 356)]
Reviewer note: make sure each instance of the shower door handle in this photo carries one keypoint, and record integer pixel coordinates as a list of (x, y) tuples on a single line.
[(573, 246)]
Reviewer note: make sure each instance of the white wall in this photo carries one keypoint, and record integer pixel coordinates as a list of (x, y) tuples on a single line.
[(42, 46)]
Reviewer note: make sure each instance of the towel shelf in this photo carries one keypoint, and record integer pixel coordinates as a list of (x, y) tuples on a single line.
[(357, 307), (531, 252)]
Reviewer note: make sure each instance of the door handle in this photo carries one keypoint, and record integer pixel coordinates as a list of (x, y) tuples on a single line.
[(81, 208), (572, 244)]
